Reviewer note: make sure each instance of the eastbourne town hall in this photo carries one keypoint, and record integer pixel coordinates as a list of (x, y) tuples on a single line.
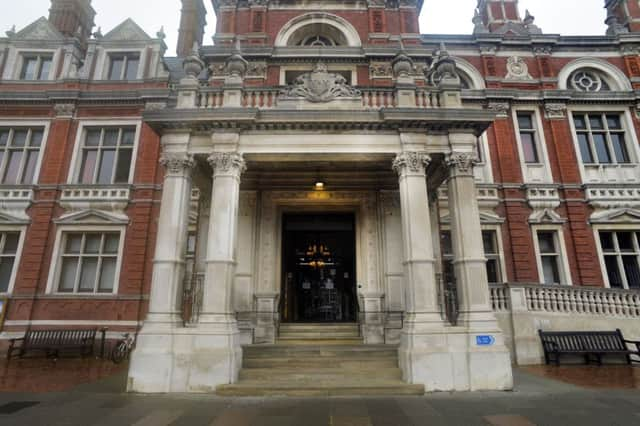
[(317, 198)]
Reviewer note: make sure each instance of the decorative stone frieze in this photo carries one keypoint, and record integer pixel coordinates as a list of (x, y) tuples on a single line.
[(380, 70), (500, 108), (155, 106), (555, 111), (411, 163), (544, 200), (462, 162), (319, 86), (227, 163), (177, 164), (64, 110), (517, 69)]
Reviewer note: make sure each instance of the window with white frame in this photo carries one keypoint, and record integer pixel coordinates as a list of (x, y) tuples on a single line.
[(8, 252), (601, 138), (19, 153), (550, 257), (528, 137), (491, 252), (621, 256), (124, 66), (88, 262), (36, 66), (106, 155)]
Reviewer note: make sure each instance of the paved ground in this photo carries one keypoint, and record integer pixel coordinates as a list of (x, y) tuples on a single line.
[(89, 393)]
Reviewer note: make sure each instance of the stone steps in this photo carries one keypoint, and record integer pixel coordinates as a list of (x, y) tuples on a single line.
[(319, 360), (260, 389)]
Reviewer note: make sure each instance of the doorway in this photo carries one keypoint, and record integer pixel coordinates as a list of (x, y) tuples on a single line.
[(318, 264)]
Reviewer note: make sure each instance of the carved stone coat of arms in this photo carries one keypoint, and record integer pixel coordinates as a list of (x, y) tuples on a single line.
[(320, 85)]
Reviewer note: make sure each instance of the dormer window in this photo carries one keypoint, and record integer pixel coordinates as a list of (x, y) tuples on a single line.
[(36, 67), (124, 66)]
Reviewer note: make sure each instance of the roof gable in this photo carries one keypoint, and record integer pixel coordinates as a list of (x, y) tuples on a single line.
[(127, 31), (93, 217), (40, 29)]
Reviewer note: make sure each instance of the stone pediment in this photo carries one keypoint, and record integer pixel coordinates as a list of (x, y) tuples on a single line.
[(41, 29), (127, 31), (624, 215), (546, 215), (13, 218), (93, 217)]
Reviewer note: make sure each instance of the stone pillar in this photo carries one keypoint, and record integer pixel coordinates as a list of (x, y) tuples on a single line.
[(217, 356), (152, 362), (421, 302), (488, 361), (171, 243)]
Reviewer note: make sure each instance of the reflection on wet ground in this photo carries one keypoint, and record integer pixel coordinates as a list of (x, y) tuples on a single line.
[(591, 376)]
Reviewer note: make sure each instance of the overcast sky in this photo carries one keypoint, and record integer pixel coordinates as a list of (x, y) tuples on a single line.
[(568, 17)]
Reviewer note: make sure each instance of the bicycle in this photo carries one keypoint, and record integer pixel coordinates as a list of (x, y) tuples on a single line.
[(122, 349)]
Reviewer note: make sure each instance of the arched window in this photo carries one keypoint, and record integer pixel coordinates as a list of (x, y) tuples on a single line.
[(317, 29), (318, 41), (589, 80)]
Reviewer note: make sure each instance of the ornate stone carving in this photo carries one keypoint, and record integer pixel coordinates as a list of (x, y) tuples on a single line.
[(155, 106), (542, 50), (320, 85), (500, 108), (64, 110), (193, 65), (555, 111), (380, 70), (177, 164), (443, 69), (411, 162), (478, 25), (402, 65), (517, 69), (227, 163), (462, 162)]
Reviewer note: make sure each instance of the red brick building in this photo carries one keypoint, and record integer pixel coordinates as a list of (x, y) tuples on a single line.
[(543, 127)]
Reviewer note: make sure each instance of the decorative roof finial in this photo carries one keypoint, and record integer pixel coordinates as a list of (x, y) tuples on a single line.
[(98, 34), (478, 24), (11, 32), (161, 34)]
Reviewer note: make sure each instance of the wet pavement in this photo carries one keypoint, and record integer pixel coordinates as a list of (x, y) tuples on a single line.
[(90, 392)]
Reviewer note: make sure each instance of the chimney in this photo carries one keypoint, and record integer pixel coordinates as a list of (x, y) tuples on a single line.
[(622, 16), (496, 13), (73, 18), (192, 22)]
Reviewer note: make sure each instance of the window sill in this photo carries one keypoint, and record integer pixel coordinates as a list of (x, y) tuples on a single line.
[(101, 197)]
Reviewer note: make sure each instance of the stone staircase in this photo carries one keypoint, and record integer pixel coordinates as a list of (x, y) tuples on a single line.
[(319, 360)]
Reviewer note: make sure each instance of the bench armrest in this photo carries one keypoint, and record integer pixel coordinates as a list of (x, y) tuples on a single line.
[(634, 342), (15, 339)]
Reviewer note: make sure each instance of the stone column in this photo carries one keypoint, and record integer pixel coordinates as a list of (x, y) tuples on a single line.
[(420, 289), (421, 303), (217, 307), (466, 236), (169, 261), (216, 355), (487, 363), (152, 362)]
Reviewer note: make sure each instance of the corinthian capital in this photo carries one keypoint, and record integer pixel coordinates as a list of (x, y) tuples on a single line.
[(462, 162), (411, 163), (227, 163), (177, 164)]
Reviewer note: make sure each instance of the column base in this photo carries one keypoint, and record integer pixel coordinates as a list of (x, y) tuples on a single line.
[(184, 359), (451, 360)]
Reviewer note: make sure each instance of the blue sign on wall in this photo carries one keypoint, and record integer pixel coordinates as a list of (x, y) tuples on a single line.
[(485, 340)]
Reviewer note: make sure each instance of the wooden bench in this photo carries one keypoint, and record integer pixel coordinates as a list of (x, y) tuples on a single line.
[(52, 342), (588, 344)]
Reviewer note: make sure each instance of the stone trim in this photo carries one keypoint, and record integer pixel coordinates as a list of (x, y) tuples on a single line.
[(411, 163), (177, 164), (227, 163)]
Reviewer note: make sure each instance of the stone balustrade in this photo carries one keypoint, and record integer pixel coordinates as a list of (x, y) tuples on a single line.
[(265, 98), (568, 300)]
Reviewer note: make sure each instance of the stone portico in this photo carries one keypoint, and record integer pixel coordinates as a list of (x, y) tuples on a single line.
[(315, 132)]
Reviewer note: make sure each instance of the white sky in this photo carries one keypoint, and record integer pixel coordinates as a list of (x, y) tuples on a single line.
[(569, 17)]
